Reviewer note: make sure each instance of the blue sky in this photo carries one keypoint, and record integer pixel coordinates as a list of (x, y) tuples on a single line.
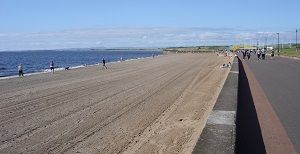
[(52, 24)]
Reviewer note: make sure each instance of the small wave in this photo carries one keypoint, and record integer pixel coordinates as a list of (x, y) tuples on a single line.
[(64, 68), (2, 68), (8, 77), (72, 67), (56, 69), (80, 66)]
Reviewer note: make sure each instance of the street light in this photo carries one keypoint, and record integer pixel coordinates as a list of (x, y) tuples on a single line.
[(266, 42), (278, 43), (296, 40)]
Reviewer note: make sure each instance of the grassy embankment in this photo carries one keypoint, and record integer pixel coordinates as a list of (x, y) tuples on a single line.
[(291, 52), (196, 49)]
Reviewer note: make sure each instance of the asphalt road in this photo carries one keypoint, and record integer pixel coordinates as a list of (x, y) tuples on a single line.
[(280, 80)]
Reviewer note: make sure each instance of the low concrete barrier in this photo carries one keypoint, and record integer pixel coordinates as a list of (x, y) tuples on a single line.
[(218, 136)]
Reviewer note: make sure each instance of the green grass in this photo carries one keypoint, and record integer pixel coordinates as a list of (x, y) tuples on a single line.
[(196, 49), (291, 52)]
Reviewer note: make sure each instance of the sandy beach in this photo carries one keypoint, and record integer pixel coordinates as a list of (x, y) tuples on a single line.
[(152, 105)]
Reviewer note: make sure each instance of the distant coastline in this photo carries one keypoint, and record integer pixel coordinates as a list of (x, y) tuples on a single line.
[(137, 49), (89, 49)]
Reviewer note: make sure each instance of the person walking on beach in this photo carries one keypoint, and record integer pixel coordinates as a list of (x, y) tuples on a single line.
[(103, 62), (20, 69), (52, 66)]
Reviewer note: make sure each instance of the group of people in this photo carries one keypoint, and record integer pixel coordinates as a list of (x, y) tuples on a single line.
[(226, 65), (21, 72), (261, 53)]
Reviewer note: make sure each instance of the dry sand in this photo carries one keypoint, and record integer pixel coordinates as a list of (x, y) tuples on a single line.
[(150, 105)]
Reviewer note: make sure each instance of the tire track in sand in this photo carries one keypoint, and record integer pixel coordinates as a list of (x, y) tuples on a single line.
[(68, 145), (39, 128)]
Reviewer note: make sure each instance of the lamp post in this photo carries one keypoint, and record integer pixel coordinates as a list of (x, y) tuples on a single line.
[(296, 40), (267, 42), (278, 43)]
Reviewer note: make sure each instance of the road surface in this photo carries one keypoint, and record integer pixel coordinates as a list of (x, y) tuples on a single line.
[(280, 81)]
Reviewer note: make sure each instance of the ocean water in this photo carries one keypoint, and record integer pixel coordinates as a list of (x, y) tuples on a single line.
[(39, 61)]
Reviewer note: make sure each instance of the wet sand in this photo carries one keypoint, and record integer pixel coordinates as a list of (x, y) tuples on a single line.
[(143, 106)]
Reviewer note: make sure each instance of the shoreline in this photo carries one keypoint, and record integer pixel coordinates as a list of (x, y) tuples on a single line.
[(89, 49), (71, 68)]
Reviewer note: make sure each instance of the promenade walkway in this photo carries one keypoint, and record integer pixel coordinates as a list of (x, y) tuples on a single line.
[(266, 98), (276, 82)]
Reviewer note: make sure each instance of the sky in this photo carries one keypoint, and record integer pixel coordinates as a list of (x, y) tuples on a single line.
[(56, 24)]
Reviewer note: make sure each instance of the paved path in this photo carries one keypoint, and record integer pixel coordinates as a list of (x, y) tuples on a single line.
[(280, 80)]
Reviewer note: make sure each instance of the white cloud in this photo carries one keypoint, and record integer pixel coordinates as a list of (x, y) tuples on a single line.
[(132, 37)]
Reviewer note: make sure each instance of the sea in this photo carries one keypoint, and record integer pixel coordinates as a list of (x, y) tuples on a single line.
[(35, 62)]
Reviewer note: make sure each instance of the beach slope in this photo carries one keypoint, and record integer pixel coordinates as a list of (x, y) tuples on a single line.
[(149, 105)]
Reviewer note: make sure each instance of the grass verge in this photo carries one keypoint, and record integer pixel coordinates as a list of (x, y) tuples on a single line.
[(291, 52)]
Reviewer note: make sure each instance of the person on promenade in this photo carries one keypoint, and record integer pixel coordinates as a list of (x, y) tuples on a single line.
[(272, 53), (103, 62), (20, 69), (258, 54), (244, 54), (52, 66), (248, 53), (263, 54)]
